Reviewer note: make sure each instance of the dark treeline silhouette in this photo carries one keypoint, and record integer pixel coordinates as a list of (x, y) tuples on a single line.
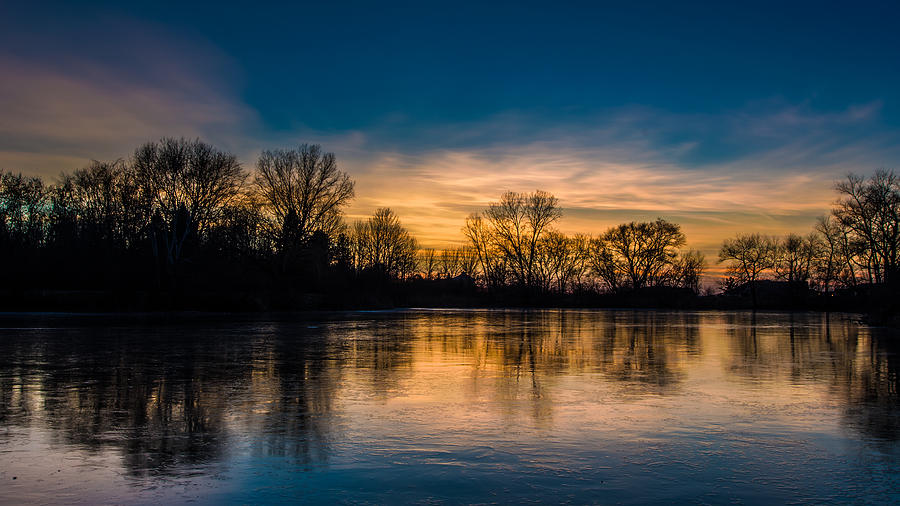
[(518, 252), (182, 225), (852, 255)]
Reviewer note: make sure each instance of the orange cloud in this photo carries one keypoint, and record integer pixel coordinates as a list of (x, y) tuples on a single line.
[(58, 116), (433, 193)]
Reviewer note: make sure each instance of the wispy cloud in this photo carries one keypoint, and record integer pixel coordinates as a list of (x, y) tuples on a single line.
[(639, 164), (767, 166), (434, 192), (62, 108)]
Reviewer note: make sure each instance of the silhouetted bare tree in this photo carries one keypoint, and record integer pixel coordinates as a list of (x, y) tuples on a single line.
[(383, 245), (23, 210), (870, 209), (518, 222), (506, 237), (795, 256), (562, 262), (636, 255), (429, 262), (189, 183), (491, 263), (605, 265), (467, 262), (448, 263), (688, 269), (104, 204), (305, 187), (750, 255), (834, 263)]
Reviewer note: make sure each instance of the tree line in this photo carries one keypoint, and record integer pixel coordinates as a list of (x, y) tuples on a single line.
[(178, 215), (856, 246), (515, 246), (180, 220)]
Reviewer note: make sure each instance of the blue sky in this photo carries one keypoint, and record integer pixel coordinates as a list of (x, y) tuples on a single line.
[(687, 110)]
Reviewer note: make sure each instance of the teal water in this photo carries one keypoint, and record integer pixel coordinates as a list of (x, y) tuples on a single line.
[(449, 407)]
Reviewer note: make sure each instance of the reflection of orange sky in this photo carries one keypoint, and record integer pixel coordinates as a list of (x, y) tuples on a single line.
[(560, 389), (538, 361), (569, 373)]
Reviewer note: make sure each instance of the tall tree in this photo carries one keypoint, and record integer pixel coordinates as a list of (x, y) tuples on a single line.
[(479, 235), (834, 263), (306, 187), (383, 245), (105, 204), (517, 224), (643, 252), (561, 261), (688, 269), (870, 208), (189, 184), (794, 257), (606, 265), (429, 263), (750, 255), (448, 263), (23, 210)]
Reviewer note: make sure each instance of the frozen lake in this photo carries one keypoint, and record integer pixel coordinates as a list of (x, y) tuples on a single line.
[(449, 406)]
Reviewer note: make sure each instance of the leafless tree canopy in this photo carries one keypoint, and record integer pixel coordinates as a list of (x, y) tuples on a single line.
[(104, 202), (516, 225), (22, 215), (382, 244), (454, 262), (562, 262), (795, 257), (750, 255), (870, 210), (638, 254), (188, 183), (177, 206), (491, 263), (688, 270), (858, 243), (428, 263), (835, 262), (306, 185), (514, 243)]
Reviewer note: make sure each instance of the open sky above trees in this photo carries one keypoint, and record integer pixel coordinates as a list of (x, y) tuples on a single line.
[(723, 119)]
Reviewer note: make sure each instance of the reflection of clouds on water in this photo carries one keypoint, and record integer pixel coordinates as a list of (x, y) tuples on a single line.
[(186, 395)]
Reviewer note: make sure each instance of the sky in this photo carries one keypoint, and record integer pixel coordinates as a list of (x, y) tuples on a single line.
[(723, 117)]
